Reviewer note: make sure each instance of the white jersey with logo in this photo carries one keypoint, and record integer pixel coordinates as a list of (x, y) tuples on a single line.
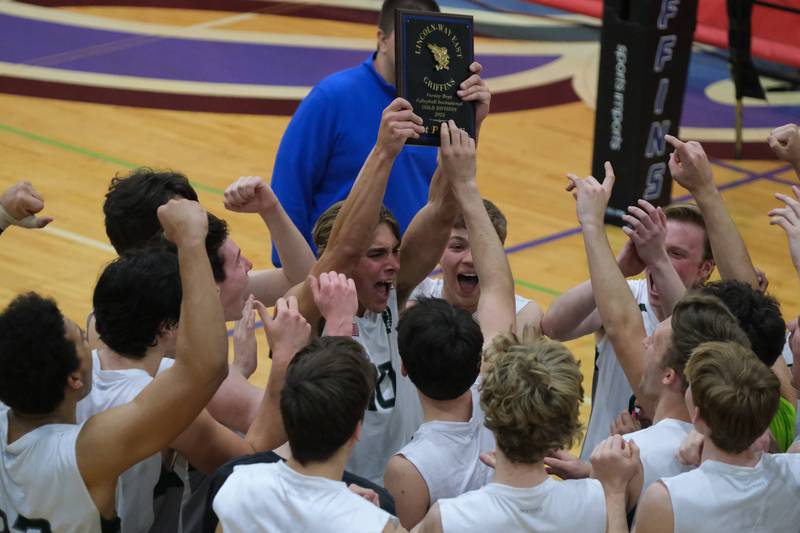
[(112, 388), (274, 498), (658, 449), (41, 488), (611, 392), (723, 498), (433, 287), (447, 454), (577, 505), (394, 413)]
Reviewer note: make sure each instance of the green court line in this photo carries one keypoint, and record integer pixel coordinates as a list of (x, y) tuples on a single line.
[(535, 287), (91, 153)]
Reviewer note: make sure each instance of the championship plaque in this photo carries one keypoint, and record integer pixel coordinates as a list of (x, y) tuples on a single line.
[(433, 52)]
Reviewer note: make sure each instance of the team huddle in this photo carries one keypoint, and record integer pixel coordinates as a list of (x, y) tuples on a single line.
[(396, 401)]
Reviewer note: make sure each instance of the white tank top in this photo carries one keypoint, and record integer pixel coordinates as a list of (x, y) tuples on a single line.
[(432, 288), (447, 454), (658, 446), (394, 413), (274, 498), (611, 393), (112, 388), (719, 497), (565, 506), (40, 484)]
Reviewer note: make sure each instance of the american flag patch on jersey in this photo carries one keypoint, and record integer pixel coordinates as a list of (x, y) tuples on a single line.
[(355, 329)]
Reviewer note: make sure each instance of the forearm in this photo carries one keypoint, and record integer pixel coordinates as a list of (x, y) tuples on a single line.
[(618, 310), (267, 431), (355, 223), (568, 311), (616, 517), (670, 286), (296, 256), (730, 252), (236, 402)]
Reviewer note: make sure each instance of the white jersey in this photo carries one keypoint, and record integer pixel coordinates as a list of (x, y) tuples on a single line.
[(112, 388), (447, 454), (611, 392), (394, 413), (433, 287), (41, 488), (272, 497), (577, 505), (659, 445), (719, 497)]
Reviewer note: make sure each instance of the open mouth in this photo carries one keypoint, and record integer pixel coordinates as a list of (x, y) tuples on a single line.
[(467, 283), (383, 289)]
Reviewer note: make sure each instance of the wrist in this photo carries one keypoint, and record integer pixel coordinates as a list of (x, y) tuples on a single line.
[(706, 191), (339, 326)]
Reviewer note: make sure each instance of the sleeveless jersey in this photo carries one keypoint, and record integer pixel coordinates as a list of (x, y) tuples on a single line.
[(112, 388), (447, 454), (273, 497), (659, 445), (41, 488), (565, 506), (723, 498), (394, 412), (611, 392)]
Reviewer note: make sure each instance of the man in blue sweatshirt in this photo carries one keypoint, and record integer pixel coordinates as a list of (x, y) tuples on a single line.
[(335, 127)]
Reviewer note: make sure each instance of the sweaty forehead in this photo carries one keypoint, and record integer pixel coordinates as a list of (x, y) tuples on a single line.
[(384, 238), (459, 233), (684, 235)]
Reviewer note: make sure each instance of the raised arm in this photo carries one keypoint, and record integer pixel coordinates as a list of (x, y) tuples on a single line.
[(19, 206), (785, 142), (619, 313), (352, 232), (495, 312), (788, 218), (250, 194), (574, 313), (689, 165), (114, 440)]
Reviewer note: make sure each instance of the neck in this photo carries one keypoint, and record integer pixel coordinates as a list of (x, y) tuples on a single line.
[(671, 404), (520, 475), (384, 68), (455, 410), (333, 468), (712, 453), (111, 360), (20, 424)]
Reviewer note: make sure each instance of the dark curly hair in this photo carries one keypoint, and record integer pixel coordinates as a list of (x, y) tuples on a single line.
[(35, 355), (440, 347), (135, 296), (132, 201), (217, 233), (758, 314)]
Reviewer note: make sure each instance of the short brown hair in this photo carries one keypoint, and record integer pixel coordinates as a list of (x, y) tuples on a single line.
[(321, 232), (386, 21), (497, 217), (327, 389), (699, 318), (737, 395), (691, 214), (531, 397)]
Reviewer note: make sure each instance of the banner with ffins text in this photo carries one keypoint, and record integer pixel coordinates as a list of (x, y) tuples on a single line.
[(644, 62)]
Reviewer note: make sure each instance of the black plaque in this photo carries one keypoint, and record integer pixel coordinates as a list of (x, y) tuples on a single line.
[(433, 52)]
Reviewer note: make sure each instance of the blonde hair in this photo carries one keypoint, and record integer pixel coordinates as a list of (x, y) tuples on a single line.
[(321, 232), (737, 395), (531, 396)]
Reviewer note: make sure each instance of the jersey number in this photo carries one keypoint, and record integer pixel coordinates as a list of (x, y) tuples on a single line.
[(24, 524), (385, 388)]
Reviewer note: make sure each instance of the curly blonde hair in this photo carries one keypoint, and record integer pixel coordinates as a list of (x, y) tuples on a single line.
[(531, 396)]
